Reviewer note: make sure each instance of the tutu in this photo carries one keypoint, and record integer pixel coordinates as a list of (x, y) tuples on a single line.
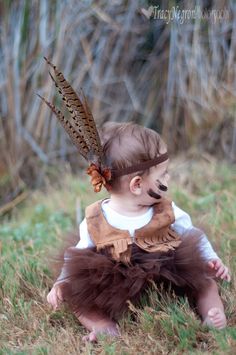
[(93, 280)]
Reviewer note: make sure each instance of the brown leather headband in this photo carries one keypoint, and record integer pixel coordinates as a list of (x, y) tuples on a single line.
[(139, 167)]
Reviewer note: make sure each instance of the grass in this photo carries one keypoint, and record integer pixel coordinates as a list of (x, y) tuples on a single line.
[(165, 324)]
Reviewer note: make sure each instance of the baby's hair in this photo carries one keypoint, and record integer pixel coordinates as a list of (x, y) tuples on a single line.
[(126, 144)]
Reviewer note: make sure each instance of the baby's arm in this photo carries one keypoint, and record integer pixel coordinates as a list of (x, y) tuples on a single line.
[(85, 240), (181, 225), (55, 297)]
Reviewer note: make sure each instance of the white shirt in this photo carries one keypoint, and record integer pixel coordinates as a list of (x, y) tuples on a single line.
[(181, 225)]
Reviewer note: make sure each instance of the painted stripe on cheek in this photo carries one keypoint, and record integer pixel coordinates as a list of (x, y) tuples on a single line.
[(163, 187), (153, 194)]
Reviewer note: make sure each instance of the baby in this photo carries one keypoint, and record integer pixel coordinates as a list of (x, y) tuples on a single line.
[(136, 235)]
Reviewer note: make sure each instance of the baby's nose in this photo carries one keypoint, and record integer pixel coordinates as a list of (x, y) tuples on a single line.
[(164, 184)]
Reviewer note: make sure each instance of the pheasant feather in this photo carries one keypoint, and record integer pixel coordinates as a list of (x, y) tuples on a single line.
[(81, 115), (76, 138)]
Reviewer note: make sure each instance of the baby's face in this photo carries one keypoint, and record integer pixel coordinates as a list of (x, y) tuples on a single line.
[(155, 184)]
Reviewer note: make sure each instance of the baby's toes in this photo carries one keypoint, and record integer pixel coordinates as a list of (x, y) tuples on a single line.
[(217, 318), (213, 312), (91, 337)]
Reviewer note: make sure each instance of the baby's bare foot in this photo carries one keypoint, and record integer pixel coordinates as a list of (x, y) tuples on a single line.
[(111, 331), (215, 318), (91, 337)]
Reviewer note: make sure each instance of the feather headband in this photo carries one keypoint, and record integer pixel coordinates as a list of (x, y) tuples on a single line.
[(83, 133)]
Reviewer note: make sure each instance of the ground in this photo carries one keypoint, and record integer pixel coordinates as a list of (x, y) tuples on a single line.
[(165, 325)]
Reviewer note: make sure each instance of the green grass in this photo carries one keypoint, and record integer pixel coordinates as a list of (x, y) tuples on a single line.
[(165, 324)]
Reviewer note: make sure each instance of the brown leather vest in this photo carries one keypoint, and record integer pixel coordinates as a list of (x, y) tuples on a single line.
[(157, 235)]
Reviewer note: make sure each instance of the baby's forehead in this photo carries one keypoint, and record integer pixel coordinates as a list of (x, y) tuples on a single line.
[(160, 168)]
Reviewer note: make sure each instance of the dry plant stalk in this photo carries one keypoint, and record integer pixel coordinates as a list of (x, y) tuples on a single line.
[(176, 78)]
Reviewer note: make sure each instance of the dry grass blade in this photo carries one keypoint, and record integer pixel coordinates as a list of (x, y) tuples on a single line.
[(177, 78)]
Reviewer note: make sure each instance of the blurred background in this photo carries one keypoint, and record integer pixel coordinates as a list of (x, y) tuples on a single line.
[(169, 65), (172, 71)]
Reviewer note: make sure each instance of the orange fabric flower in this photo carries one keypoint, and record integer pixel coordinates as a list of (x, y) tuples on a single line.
[(98, 178)]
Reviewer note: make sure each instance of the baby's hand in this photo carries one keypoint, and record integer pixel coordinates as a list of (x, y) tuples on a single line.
[(221, 270), (54, 297)]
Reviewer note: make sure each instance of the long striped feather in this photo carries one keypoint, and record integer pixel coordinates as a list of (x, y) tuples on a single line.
[(92, 123), (75, 137), (73, 120), (81, 116)]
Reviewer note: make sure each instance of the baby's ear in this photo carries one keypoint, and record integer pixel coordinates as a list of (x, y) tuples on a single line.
[(135, 185)]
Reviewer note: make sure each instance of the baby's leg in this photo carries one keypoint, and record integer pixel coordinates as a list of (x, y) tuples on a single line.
[(210, 306), (97, 323)]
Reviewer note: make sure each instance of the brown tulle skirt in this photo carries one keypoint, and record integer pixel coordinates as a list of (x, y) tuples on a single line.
[(93, 280)]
